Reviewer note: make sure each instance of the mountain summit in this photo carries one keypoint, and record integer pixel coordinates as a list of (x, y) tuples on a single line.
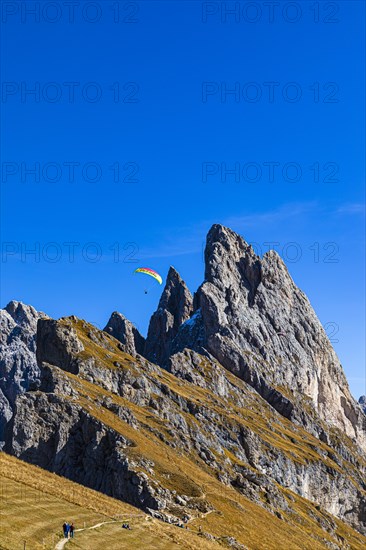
[(250, 316), (235, 399), (175, 307)]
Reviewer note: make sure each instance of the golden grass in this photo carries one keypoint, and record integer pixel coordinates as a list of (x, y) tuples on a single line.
[(149, 535), (40, 480), (32, 516), (34, 508), (34, 504), (232, 514)]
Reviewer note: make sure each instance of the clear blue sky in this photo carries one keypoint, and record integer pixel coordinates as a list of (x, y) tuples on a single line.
[(171, 63)]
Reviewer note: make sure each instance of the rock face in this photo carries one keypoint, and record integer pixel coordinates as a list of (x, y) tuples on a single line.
[(18, 365), (175, 307), (57, 344), (238, 386), (362, 402), (124, 331), (109, 425), (71, 442), (251, 317)]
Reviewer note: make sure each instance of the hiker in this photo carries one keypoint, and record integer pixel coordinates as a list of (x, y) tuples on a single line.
[(72, 531), (67, 530), (64, 528)]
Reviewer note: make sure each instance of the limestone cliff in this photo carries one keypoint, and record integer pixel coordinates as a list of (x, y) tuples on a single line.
[(18, 365), (236, 397)]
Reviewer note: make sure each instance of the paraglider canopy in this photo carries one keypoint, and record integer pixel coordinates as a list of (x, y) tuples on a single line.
[(149, 272)]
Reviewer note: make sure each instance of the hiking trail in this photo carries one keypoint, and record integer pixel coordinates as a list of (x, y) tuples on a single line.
[(62, 542)]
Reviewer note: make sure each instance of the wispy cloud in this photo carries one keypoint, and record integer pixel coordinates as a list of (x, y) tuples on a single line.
[(283, 213), (190, 239), (182, 241), (351, 208)]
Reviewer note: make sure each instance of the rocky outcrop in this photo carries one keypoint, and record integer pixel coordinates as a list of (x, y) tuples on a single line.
[(362, 402), (69, 441), (18, 365), (175, 307), (58, 344), (123, 330), (62, 426), (251, 392), (253, 319)]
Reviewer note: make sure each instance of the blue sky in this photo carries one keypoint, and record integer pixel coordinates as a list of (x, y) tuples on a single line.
[(133, 130)]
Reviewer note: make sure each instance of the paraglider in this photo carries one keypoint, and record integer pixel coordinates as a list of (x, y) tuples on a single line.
[(151, 273)]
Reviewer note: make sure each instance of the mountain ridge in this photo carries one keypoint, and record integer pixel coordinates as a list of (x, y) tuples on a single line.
[(242, 386)]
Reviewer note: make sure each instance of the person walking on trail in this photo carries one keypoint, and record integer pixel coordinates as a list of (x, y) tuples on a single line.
[(64, 528), (67, 530), (72, 531)]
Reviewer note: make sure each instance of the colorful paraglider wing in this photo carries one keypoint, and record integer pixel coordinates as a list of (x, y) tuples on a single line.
[(150, 272)]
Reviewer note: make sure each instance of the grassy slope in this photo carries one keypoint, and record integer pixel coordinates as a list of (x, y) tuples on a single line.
[(292, 440), (258, 416), (34, 503), (233, 514)]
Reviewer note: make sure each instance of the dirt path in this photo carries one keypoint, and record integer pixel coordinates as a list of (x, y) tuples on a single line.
[(61, 543)]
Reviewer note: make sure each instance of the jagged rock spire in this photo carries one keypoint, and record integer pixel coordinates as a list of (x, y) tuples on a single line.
[(24, 315), (123, 330), (229, 257), (175, 307), (256, 322)]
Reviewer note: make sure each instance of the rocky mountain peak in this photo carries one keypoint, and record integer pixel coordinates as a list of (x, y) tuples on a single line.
[(228, 256), (176, 298), (252, 376), (229, 259), (175, 307), (23, 315), (224, 244), (123, 330), (256, 322)]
